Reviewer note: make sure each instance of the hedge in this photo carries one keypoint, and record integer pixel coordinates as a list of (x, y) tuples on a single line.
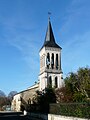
[(81, 110)]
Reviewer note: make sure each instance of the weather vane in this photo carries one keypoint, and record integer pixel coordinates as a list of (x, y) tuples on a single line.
[(49, 13)]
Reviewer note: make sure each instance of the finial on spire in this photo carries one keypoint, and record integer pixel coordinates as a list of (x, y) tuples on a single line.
[(49, 13)]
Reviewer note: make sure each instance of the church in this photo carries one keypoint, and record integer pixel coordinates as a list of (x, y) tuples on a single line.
[(50, 71)]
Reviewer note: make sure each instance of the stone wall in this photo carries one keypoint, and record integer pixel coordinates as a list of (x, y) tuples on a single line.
[(24, 98), (59, 117), (29, 94), (54, 117)]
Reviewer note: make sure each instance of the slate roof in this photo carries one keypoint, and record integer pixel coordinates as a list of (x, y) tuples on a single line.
[(49, 38)]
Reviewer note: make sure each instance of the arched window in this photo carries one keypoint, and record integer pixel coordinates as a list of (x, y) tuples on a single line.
[(29, 101), (50, 81), (56, 82), (56, 61), (52, 61), (48, 60)]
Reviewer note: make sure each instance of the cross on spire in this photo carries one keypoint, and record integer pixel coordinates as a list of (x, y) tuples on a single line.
[(49, 13)]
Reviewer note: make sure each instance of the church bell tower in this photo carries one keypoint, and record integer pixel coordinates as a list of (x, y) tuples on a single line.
[(50, 62)]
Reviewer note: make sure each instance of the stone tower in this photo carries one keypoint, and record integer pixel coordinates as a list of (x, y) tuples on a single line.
[(50, 62)]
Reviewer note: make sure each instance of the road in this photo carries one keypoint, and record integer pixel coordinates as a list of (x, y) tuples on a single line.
[(15, 116)]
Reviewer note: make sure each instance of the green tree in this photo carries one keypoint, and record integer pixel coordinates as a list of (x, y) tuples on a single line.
[(77, 87), (44, 98), (63, 95), (79, 84), (84, 80)]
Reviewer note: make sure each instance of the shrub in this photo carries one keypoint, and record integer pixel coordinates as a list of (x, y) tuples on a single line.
[(71, 109)]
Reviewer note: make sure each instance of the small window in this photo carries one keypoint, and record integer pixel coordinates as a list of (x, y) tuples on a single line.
[(56, 82), (29, 101), (48, 60), (50, 81), (52, 61), (56, 61)]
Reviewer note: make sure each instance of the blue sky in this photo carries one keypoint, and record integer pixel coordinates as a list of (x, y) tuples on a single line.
[(23, 26)]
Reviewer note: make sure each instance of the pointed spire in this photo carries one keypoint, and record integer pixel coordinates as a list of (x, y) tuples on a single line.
[(49, 38), (49, 33)]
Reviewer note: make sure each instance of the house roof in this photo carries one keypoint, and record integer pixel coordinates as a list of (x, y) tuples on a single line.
[(49, 38), (29, 88)]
